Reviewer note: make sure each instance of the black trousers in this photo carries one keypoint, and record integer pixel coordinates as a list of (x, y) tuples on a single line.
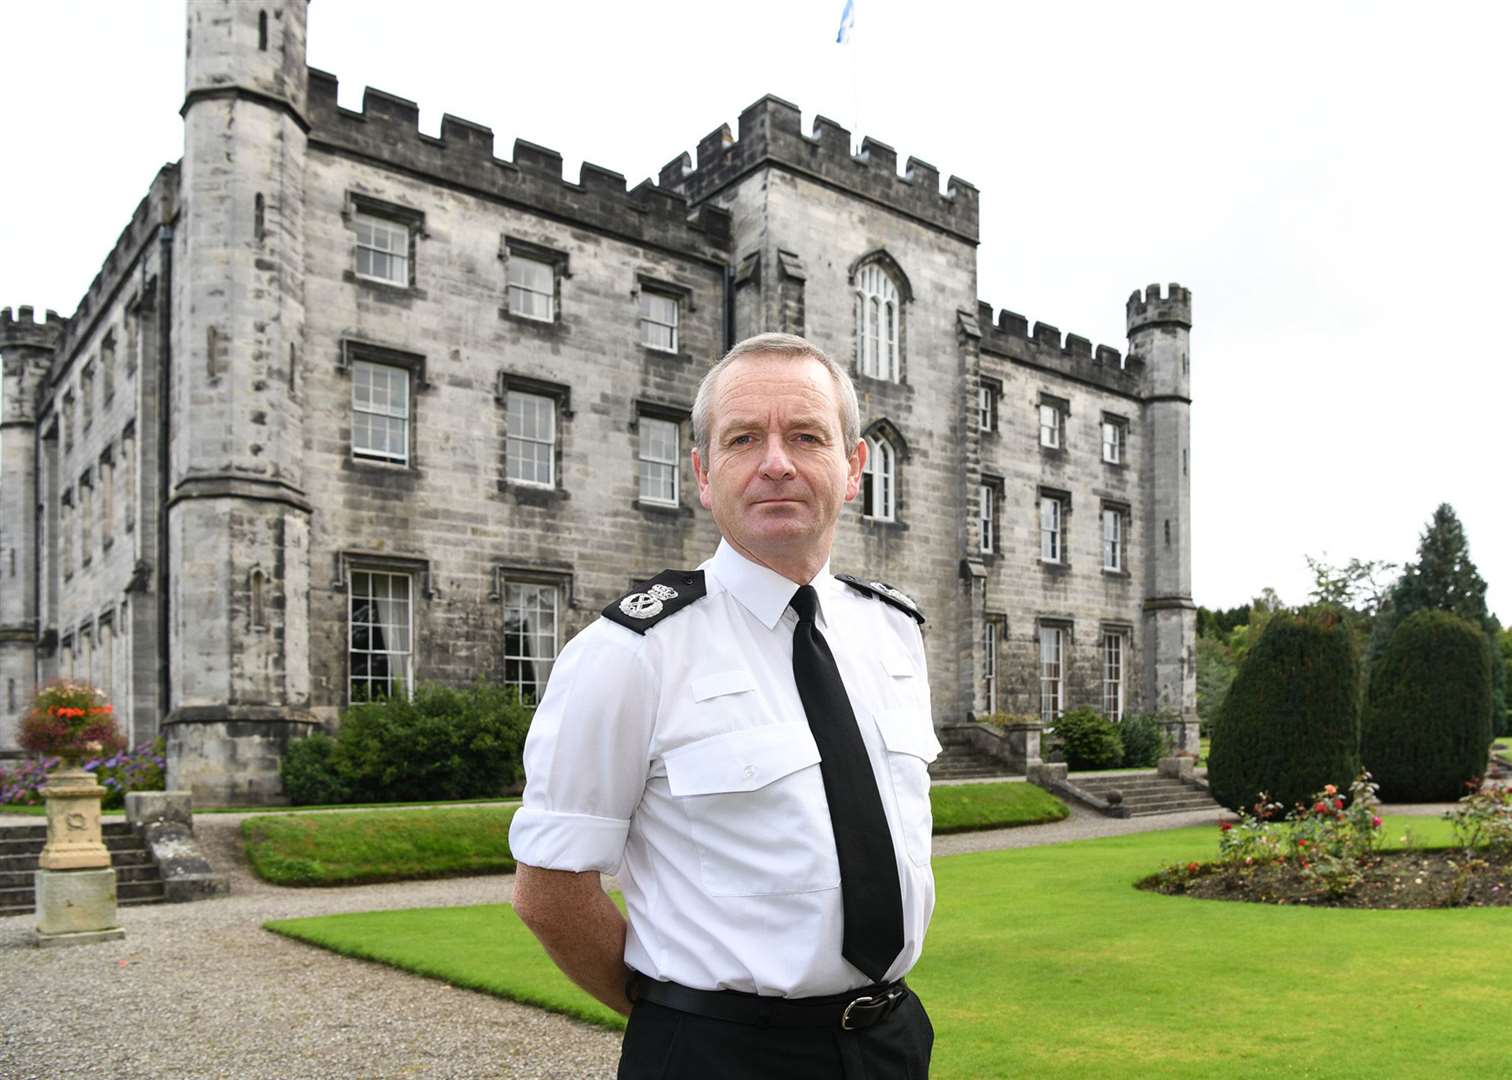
[(664, 1044)]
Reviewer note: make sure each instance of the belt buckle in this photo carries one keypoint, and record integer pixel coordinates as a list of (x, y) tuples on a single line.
[(887, 1002), (864, 1001)]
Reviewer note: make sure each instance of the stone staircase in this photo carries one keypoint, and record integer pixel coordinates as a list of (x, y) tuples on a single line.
[(1148, 793), (959, 761), (137, 878)]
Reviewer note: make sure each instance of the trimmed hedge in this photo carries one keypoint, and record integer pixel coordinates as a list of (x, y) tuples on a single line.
[(1291, 721), (1144, 740), (1427, 723), (445, 744), (1089, 740)]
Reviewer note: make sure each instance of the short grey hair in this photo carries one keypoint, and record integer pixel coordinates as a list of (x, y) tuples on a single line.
[(785, 346)]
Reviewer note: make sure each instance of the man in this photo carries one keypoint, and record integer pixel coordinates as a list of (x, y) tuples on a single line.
[(746, 747)]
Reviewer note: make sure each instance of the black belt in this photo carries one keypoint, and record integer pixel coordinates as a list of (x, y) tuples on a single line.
[(849, 1011)]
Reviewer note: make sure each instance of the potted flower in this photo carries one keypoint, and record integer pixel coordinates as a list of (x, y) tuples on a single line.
[(71, 721)]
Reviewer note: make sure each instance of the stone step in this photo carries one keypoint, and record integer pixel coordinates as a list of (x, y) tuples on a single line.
[(26, 879)]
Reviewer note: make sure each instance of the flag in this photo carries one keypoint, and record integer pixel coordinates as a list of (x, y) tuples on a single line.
[(847, 22)]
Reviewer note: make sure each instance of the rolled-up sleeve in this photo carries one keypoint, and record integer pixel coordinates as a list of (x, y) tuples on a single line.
[(586, 756)]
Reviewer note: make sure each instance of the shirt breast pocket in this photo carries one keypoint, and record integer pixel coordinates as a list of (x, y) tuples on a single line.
[(911, 746), (756, 804)]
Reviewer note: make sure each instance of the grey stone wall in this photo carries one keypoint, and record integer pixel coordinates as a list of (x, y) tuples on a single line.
[(246, 253)]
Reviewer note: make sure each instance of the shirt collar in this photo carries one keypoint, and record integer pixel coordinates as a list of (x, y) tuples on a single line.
[(761, 590)]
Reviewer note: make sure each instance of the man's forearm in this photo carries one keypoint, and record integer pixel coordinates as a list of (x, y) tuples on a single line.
[(580, 929)]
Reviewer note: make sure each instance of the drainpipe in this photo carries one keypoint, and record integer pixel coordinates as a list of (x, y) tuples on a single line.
[(165, 398), (729, 309)]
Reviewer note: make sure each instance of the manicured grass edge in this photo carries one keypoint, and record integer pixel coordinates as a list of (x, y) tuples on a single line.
[(300, 930)]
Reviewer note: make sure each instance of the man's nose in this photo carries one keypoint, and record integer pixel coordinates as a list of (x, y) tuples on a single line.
[(776, 465)]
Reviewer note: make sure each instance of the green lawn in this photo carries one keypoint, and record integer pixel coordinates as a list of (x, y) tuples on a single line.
[(1046, 962), (379, 845), (970, 807), (394, 845)]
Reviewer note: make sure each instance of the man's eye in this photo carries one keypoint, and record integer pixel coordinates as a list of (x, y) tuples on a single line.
[(808, 437), (741, 440)]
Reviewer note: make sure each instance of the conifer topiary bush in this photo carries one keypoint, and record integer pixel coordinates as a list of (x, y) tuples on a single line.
[(1291, 722), (1088, 740), (1427, 722)]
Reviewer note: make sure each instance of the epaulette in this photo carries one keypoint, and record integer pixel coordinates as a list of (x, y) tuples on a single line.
[(652, 601), (883, 591)]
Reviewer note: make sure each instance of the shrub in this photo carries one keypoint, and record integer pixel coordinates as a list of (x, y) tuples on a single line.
[(1483, 822), (444, 744), (310, 774), (1144, 740), (1427, 723), (141, 769), (71, 720), (1088, 740), (1290, 723)]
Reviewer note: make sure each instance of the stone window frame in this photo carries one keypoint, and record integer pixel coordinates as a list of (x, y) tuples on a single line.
[(1121, 425), (680, 415), (351, 350), (107, 366), (994, 633), (359, 204), (1125, 521), (561, 269), (989, 394), (107, 471), (390, 570), (86, 485), (66, 511), (560, 393), (1062, 408), (1066, 631), (87, 392), (1124, 632), (128, 460), (997, 485), (561, 580), (883, 432), (1061, 497), (68, 418), (893, 271), (680, 293)]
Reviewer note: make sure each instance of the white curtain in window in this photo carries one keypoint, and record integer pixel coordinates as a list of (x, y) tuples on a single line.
[(878, 479)]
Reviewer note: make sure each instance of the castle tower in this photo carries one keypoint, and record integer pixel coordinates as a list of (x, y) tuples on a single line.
[(238, 519), (27, 347), (1159, 333)]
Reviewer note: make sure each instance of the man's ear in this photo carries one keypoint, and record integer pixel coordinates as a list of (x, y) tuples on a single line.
[(854, 465), (701, 473)]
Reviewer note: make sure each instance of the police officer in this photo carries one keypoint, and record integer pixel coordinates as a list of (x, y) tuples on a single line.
[(746, 746)]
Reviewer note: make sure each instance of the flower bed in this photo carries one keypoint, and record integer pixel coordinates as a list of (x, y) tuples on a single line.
[(1328, 854)]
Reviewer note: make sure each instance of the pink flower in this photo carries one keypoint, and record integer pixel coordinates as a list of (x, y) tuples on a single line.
[(1375, 823), (1320, 808), (1329, 789)]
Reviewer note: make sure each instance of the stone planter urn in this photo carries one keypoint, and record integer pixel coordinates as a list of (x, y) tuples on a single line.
[(76, 887)]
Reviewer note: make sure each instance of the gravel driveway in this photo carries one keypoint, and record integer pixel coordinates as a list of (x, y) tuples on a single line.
[(200, 990)]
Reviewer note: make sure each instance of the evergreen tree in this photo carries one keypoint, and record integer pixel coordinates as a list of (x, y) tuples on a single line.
[(1443, 578)]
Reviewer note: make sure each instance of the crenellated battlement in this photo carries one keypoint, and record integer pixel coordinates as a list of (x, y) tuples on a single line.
[(159, 205), (23, 330), (771, 131), (387, 131), (1007, 333), (1153, 308)]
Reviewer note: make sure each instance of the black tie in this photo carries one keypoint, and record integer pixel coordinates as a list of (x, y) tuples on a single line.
[(869, 893)]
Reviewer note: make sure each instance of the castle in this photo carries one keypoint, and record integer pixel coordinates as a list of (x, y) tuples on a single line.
[(349, 404)]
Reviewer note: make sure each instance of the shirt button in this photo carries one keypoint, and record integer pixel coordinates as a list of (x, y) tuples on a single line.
[(750, 771)]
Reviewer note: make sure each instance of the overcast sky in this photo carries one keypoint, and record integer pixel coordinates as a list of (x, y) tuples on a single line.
[(1330, 179)]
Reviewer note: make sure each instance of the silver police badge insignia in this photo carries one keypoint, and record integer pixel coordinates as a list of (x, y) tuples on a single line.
[(648, 604)]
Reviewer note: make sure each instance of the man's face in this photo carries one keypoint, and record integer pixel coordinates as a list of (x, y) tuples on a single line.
[(778, 471)]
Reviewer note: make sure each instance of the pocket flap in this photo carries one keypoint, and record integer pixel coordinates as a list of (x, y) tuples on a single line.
[(897, 665), (722, 682), (740, 760), (908, 731)]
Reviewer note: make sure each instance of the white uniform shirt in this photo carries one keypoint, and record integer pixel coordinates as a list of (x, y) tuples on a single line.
[(681, 761)]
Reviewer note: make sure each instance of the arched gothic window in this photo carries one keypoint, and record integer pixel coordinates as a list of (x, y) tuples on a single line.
[(879, 480), (877, 323)]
